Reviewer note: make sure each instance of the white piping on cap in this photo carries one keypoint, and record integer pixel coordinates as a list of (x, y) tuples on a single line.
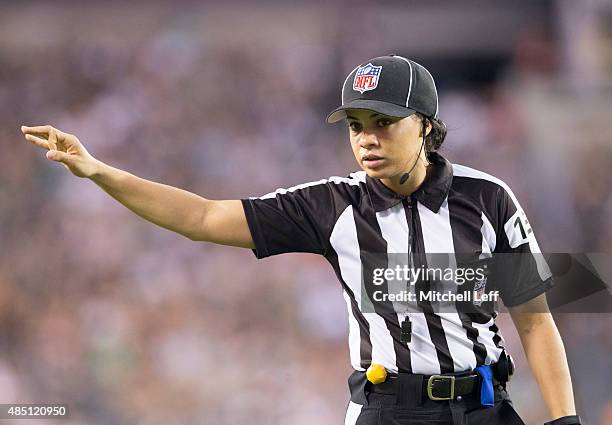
[(410, 86), (344, 84), (434, 84)]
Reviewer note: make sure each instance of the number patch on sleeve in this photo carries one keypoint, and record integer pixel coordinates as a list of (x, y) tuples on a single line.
[(518, 230)]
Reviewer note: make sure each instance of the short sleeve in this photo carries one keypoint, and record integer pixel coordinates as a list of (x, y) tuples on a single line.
[(298, 219), (522, 272)]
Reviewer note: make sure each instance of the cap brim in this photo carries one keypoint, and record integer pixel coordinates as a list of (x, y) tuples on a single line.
[(385, 108)]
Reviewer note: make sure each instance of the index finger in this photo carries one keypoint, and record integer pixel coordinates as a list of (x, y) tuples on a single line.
[(39, 129)]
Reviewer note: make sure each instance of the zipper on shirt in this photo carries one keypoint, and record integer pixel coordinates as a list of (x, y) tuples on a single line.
[(406, 325), (408, 203)]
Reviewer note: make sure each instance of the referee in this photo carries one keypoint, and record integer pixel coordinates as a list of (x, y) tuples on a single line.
[(414, 362)]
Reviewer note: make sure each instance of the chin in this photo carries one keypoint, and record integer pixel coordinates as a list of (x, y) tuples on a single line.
[(376, 174)]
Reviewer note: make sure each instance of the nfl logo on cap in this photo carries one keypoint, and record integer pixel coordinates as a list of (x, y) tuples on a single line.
[(366, 78)]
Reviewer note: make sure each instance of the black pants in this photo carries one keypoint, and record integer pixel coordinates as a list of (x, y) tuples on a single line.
[(410, 407)]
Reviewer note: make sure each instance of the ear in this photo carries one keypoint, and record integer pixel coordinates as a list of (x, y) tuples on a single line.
[(428, 127)]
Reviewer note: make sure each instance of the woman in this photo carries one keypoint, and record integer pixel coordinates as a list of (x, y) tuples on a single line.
[(413, 362)]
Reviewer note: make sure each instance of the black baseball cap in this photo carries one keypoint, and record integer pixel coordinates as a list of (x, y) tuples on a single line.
[(390, 85)]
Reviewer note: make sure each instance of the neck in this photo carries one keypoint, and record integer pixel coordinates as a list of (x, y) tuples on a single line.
[(416, 179)]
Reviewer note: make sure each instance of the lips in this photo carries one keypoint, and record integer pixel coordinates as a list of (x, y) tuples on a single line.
[(372, 161)]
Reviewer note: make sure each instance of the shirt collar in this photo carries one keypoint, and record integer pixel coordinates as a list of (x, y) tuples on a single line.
[(432, 193)]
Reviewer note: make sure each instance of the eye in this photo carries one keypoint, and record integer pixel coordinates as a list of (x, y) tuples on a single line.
[(355, 126), (384, 122)]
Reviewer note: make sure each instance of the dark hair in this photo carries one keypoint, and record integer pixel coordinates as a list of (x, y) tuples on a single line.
[(436, 136)]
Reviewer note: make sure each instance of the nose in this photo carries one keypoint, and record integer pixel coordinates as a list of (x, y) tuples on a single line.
[(368, 139)]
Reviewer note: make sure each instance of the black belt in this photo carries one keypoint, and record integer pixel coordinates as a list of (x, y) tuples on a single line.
[(437, 387)]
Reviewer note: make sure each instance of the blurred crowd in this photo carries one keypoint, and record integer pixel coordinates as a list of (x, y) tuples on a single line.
[(131, 324)]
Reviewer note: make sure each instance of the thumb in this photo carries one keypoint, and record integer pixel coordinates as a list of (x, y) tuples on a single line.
[(58, 156)]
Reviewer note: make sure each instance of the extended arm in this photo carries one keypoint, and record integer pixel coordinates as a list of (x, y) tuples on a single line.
[(546, 355), (175, 209)]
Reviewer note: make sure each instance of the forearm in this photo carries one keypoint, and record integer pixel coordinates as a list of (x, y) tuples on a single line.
[(169, 207), (547, 360)]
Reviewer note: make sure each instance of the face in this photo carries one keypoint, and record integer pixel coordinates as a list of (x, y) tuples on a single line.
[(385, 147)]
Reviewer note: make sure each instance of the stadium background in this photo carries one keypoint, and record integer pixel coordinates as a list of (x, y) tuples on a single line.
[(131, 324)]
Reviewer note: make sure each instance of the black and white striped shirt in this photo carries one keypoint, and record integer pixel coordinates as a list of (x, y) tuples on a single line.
[(456, 210)]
